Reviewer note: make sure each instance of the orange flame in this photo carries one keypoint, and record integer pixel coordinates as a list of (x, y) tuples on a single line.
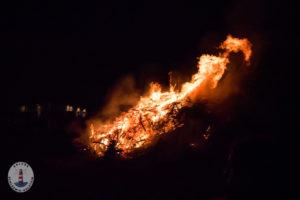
[(156, 113)]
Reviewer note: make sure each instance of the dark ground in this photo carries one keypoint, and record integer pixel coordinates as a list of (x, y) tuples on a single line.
[(230, 165), (58, 53)]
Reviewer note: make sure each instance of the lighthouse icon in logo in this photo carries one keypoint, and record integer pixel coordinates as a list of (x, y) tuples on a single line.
[(20, 177), (21, 183)]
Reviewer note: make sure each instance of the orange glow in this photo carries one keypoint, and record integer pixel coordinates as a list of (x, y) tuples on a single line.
[(155, 114), (234, 45)]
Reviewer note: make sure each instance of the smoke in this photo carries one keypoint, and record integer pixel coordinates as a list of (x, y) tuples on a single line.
[(120, 98)]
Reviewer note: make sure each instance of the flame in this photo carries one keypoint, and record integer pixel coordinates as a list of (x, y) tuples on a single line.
[(156, 113)]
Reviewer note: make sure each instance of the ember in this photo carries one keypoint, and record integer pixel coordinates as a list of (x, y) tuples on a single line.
[(157, 113)]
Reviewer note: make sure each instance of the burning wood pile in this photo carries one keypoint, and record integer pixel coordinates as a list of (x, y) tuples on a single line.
[(159, 112)]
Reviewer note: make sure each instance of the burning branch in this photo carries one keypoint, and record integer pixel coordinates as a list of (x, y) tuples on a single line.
[(141, 122)]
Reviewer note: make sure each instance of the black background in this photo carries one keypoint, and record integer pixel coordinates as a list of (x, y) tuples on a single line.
[(74, 52)]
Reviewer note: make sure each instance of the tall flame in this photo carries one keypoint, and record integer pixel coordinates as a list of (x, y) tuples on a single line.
[(156, 113)]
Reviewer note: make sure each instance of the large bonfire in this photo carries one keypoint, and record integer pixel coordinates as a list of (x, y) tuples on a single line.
[(156, 113)]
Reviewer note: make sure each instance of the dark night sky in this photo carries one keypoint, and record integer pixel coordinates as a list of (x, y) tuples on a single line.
[(74, 52)]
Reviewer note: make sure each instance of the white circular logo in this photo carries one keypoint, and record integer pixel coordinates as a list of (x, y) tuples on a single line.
[(20, 177)]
